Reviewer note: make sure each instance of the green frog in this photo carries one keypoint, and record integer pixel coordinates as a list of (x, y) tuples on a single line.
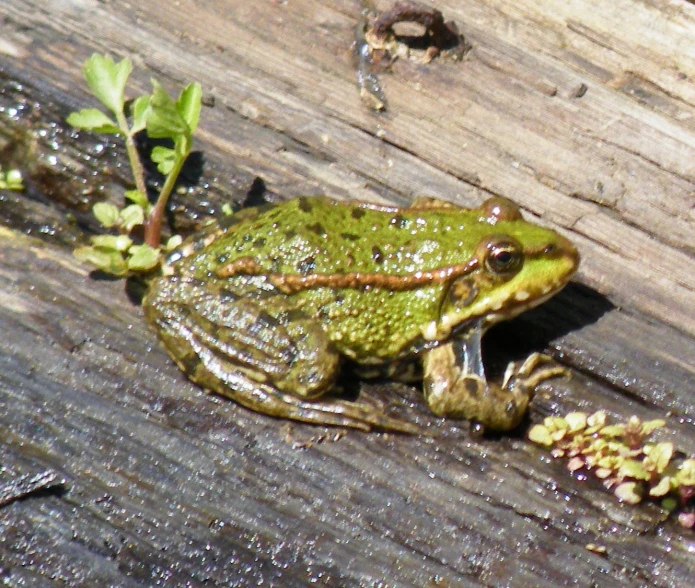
[(266, 306)]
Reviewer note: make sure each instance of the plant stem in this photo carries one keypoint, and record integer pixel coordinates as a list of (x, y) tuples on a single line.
[(153, 226), (133, 155)]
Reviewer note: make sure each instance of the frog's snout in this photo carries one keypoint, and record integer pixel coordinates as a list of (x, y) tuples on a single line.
[(570, 252)]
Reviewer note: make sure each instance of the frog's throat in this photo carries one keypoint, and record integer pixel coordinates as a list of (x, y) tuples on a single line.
[(468, 350)]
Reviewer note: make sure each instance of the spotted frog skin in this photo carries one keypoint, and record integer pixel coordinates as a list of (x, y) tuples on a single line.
[(265, 308)]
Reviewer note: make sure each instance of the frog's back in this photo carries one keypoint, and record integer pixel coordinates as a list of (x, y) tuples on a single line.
[(320, 235)]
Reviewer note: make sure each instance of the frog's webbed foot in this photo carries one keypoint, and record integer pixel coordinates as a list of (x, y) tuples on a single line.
[(455, 384), (341, 413), (271, 361), (536, 369)]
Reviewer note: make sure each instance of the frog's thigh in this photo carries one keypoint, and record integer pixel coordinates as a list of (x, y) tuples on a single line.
[(454, 394), (224, 328)]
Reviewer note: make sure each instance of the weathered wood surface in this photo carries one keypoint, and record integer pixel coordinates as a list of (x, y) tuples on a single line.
[(163, 483)]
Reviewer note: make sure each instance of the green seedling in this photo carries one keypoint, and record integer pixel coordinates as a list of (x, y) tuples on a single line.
[(161, 117)]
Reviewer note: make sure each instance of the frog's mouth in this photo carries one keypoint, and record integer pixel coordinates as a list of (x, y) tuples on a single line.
[(468, 337), (514, 309)]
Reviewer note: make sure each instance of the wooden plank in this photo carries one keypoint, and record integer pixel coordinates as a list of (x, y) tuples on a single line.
[(165, 483), (177, 481)]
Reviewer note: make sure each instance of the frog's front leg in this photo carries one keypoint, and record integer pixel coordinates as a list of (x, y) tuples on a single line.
[(455, 385), (239, 341)]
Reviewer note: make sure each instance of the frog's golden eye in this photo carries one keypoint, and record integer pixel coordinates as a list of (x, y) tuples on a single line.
[(503, 256)]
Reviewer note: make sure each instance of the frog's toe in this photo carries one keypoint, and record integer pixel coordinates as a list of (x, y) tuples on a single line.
[(347, 414), (536, 369)]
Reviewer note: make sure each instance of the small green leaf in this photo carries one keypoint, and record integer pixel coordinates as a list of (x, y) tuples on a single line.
[(160, 97), (188, 105), (659, 456), (662, 488), (123, 243), (131, 216), (686, 473), (603, 473), (141, 110), (648, 427), (634, 422), (182, 146), (93, 119), (137, 197), (173, 242), (627, 492), (14, 179), (608, 461), (598, 419), (104, 242), (109, 261), (576, 421), (106, 214), (612, 431), (632, 468), (164, 158), (107, 79), (112, 242), (540, 435), (164, 121), (143, 258), (11, 180), (597, 445), (554, 424), (227, 209)]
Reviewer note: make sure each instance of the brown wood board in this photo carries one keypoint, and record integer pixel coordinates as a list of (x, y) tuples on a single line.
[(581, 112)]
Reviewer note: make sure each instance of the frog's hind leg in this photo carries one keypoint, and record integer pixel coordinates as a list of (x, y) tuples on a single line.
[(271, 361), (271, 401)]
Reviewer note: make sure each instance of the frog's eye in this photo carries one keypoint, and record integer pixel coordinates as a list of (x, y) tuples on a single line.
[(503, 256)]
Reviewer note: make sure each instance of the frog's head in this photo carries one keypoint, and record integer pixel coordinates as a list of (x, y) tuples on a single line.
[(515, 267)]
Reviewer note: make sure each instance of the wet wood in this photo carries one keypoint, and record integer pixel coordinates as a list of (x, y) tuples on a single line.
[(117, 471)]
